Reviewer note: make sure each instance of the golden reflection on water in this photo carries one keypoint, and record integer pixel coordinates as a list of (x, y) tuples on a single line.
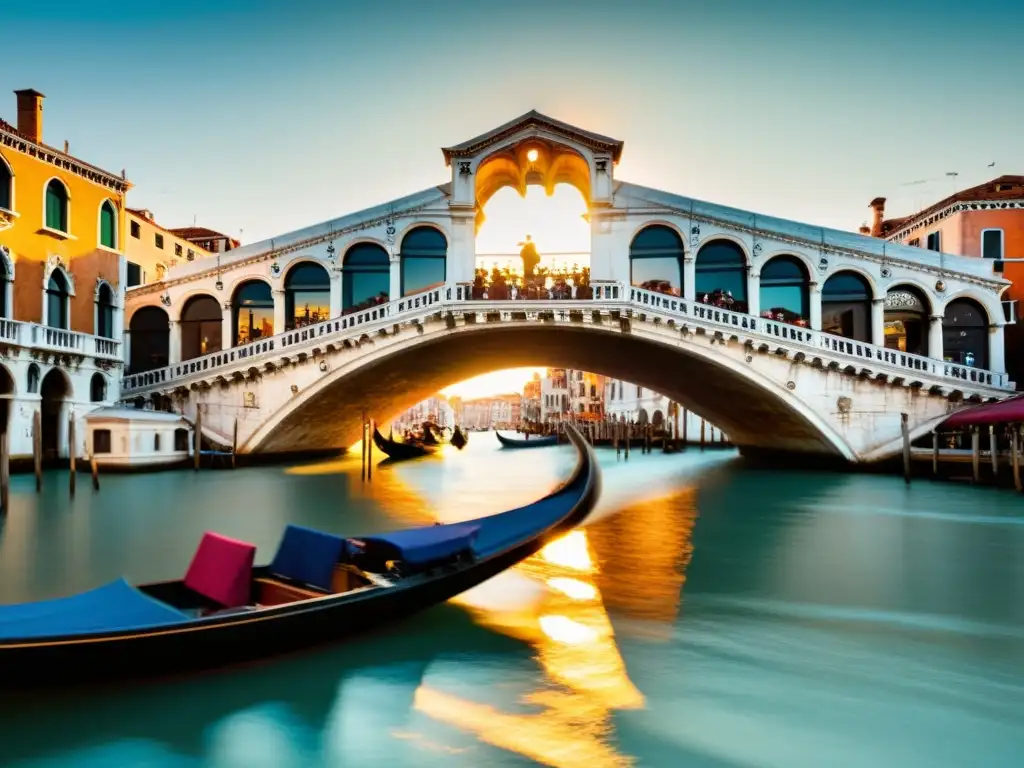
[(632, 560)]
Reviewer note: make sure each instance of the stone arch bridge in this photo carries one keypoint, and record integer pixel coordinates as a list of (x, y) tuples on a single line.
[(790, 337)]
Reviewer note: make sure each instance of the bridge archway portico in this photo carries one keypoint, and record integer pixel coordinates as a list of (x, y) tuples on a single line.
[(768, 265)]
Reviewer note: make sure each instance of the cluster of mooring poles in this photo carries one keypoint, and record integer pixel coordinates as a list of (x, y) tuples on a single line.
[(625, 435), (996, 456), (369, 427), (197, 443)]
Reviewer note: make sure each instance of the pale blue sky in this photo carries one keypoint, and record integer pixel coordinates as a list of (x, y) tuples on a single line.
[(268, 116)]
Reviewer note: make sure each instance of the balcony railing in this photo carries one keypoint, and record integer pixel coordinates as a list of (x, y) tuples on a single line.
[(43, 337), (615, 296)]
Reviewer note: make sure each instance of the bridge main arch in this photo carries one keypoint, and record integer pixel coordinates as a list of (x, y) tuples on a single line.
[(750, 405)]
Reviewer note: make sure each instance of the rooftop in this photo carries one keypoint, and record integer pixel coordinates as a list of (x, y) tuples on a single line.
[(1007, 187)]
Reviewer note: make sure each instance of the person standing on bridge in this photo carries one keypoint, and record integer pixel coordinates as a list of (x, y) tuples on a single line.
[(530, 258)]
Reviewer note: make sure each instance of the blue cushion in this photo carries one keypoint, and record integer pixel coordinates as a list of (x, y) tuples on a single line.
[(308, 556)]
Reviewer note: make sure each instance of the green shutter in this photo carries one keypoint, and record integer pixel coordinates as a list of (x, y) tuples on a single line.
[(107, 225), (5, 187), (56, 207)]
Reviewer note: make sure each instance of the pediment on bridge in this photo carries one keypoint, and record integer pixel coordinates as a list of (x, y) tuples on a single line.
[(533, 124)]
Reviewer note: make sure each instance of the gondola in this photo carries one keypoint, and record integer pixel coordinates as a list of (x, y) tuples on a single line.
[(318, 588), (459, 438), (399, 451), (533, 442)]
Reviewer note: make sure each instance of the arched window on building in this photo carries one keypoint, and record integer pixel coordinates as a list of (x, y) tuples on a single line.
[(307, 295), (105, 311), (424, 253), (32, 382), (965, 333), (721, 275), (365, 277), (5, 284), (906, 320), (656, 260), (149, 334), (57, 205), (200, 327), (6, 186), (57, 299), (108, 225), (97, 388), (253, 308), (785, 284), (846, 306)]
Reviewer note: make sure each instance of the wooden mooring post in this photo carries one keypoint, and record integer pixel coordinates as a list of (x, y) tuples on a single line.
[(234, 444), (197, 439), (703, 425), (905, 429), (616, 429), (364, 441), (371, 427), (686, 419), (37, 448), (95, 470), (935, 454), (993, 447), (976, 454), (629, 437), (5, 472), (1015, 450), (72, 453)]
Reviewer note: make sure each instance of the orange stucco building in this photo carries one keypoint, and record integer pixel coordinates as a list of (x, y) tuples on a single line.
[(986, 221)]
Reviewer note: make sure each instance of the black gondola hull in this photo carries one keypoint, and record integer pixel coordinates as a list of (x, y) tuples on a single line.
[(533, 442), (231, 640), (400, 451)]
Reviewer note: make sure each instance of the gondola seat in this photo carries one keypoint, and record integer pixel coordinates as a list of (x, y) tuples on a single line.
[(308, 557), (221, 570)]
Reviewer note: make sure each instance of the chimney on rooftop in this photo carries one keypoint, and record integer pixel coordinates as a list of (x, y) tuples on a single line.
[(878, 209), (30, 114)]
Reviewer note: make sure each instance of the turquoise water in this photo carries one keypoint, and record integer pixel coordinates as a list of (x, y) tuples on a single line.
[(708, 615)]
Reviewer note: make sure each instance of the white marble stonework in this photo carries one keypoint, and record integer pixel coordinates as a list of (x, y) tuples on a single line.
[(847, 395)]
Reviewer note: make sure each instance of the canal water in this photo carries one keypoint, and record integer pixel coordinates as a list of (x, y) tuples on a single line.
[(708, 615)]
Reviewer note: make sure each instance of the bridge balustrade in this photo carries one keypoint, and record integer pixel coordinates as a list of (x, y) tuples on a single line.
[(614, 296)]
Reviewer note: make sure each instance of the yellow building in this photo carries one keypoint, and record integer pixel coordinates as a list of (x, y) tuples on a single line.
[(61, 239), (151, 249)]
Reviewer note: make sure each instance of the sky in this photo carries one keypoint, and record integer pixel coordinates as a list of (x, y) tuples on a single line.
[(256, 117)]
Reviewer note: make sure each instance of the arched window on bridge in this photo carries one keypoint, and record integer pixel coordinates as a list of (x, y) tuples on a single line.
[(252, 306), (424, 253), (365, 277), (785, 283), (965, 333), (846, 306), (149, 339), (200, 327), (906, 320), (655, 260), (721, 275), (307, 295)]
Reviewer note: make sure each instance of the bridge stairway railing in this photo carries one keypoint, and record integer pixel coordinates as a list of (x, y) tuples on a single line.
[(607, 296)]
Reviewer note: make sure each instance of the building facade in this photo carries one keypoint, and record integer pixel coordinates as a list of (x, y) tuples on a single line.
[(625, 401), (497, 412), (151, 249), (531, 402), (986, 222), (61, 298), (436, 410)]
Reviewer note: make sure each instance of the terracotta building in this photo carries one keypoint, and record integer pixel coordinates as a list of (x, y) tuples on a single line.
[(986, 221)]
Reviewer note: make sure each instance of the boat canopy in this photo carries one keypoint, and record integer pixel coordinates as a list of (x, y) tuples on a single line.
[(117, 606), (1007, 411), (418, 546), (308, 556), (222, 570)]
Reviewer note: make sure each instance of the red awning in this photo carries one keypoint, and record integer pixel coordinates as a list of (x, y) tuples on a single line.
[(1007, 411)]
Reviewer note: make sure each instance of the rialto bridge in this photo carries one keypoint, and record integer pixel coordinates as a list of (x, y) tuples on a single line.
[(790, 337)]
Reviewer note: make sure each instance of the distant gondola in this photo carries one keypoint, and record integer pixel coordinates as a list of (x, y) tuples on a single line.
[(318, 588), (399, 451), (459, 439), (533, 442)]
